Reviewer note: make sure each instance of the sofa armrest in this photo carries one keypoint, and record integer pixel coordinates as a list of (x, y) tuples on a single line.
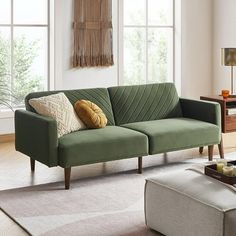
[(201, 110), (36, 136)]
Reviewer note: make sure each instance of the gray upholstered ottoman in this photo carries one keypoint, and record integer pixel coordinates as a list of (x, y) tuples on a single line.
[(187, 203)]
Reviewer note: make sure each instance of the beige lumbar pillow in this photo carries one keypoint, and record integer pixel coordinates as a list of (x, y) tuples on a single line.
[(58, 107)]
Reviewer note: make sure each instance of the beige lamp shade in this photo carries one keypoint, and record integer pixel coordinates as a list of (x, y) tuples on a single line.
[(228, 56)]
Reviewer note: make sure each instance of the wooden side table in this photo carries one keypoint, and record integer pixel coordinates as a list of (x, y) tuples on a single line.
[(228, 122)]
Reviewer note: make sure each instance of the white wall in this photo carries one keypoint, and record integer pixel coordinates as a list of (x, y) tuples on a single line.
[(224, 35), (196, 52), (196, 48), (6, 125)]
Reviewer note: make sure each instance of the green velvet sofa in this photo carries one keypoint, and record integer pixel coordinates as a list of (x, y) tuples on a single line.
[(142, 120)]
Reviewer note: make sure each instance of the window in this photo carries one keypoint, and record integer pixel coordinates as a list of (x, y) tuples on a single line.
[(24, 48), (146, 41)]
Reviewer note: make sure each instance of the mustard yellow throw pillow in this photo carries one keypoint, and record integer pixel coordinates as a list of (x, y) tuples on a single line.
[(91, 115)]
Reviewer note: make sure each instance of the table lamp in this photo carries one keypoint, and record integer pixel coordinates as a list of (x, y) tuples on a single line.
[(228, 58)]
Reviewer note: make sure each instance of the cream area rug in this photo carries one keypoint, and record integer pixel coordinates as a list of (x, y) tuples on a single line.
[(98, 206)]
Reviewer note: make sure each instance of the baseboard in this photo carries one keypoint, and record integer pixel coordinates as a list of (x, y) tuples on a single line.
[(5, 138)]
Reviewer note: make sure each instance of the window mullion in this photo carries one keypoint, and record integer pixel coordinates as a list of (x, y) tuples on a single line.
[(147, 29), (12, 35)]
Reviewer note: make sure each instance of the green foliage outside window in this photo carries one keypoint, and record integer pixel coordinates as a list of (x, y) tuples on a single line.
[(15, 85)]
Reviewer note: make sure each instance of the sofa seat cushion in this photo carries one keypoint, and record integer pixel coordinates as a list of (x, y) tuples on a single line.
[(98, 145), (177, 133)]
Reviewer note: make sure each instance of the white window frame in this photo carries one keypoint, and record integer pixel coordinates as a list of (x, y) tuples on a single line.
[(176, 40), (7, 113)]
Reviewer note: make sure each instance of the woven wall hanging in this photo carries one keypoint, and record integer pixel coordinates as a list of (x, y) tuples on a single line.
[(93, 33)]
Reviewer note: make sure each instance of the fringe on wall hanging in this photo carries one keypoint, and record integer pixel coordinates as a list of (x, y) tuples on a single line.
[(93, 33)]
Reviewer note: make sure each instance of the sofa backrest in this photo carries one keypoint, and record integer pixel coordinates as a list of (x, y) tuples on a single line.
[(99, 96), (144, 102)]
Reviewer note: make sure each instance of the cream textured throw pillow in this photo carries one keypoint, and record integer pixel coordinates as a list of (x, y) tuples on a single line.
[(58, 107)]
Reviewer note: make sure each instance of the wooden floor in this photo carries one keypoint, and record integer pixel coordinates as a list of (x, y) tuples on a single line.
[(15, 172)]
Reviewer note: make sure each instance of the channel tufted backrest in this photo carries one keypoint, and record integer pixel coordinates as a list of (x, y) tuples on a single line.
[(144, 102), (99, 96)]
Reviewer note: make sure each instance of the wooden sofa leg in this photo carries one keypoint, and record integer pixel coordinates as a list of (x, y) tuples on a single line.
[(140, 165), (67, 172), (210, 152), (221, 148), (32, 164), (201, 150)]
